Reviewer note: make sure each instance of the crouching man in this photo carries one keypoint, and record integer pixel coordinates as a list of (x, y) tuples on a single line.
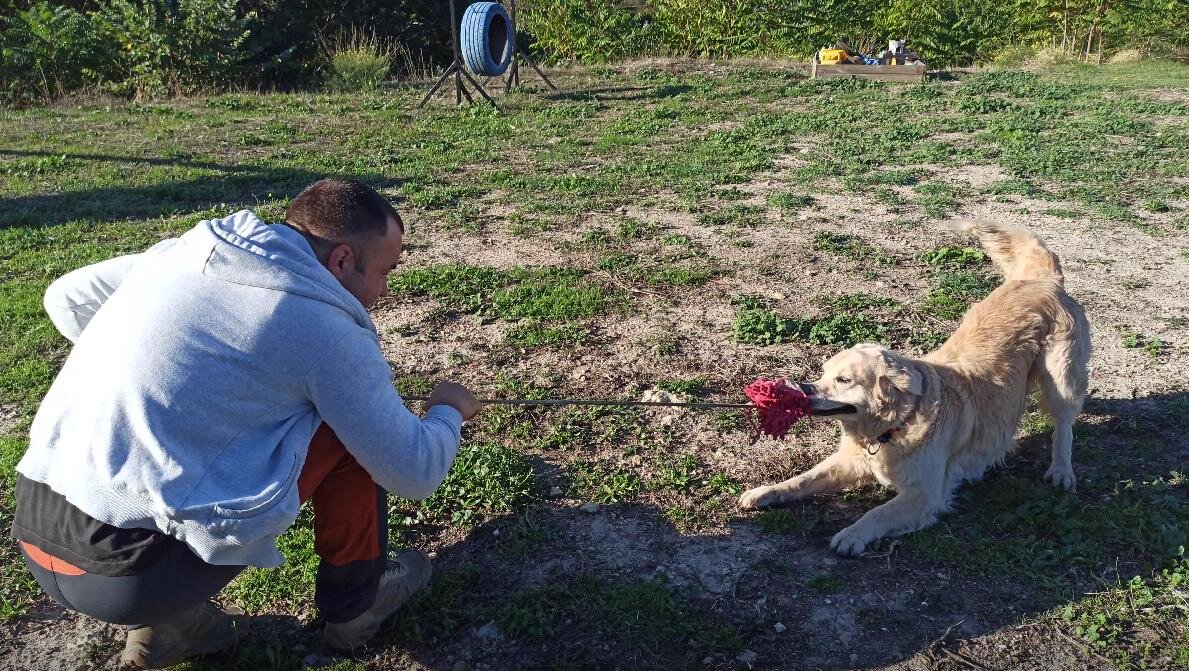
[(218, 380)]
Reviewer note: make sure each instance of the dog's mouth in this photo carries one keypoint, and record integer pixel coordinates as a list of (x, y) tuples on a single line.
[(823, 406)]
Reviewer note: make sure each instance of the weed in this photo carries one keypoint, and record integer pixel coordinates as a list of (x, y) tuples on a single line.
[(486, 479), (520, 293), (786, 521), (764, 327), (723, 484), (664, 344), (603, 484), (849, 246), (532, 333), (938, 198), (1154, 347), (826, 583), (790, 202), (952, 258), (761, 326), (1111, 621), (440, 609), (679, 475), (688, 386), (728, 420), (414, 385), (640, 612), (954, 291), (738, 216)]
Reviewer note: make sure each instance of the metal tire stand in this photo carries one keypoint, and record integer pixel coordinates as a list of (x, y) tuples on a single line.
[(512, 77), (456, 68)]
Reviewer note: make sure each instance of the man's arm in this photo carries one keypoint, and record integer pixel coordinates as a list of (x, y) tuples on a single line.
[(351, 387), (73, 299)]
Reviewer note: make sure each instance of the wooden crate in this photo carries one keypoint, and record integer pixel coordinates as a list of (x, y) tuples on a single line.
[(883, 73)]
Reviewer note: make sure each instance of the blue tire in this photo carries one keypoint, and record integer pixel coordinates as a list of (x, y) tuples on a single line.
[(487, 38)]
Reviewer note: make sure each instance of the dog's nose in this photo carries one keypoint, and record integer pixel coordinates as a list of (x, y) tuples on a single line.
[(807, 389)]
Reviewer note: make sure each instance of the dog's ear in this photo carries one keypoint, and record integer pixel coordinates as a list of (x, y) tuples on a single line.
[(901, 374)]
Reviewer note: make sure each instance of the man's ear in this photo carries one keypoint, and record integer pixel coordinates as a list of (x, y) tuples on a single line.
[(902, 375), (339, 259)]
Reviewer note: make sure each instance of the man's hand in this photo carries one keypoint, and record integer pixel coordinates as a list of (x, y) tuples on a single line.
[(456, 396)]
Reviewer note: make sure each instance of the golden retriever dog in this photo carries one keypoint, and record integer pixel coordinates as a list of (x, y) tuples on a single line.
[(924, 426)]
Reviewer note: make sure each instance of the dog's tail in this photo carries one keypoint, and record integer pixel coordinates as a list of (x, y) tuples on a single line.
[(1020, 254)]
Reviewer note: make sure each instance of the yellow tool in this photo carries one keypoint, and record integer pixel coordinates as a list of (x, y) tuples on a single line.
[(831, 56)]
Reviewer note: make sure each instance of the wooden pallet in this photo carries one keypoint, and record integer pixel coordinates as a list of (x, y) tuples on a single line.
[(883, 73)]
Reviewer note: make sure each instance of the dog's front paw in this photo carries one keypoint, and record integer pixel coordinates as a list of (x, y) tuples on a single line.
[(851, 541), (1062, 477), (760, 497)]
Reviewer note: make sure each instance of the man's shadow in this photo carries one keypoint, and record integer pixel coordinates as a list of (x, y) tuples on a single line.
[(635, 585)]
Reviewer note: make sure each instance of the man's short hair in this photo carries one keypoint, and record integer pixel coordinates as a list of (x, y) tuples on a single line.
[(334, 211)]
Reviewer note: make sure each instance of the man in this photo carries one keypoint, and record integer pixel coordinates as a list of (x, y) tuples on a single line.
[(218, 380)]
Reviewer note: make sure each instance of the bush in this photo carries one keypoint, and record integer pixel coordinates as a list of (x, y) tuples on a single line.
[(589, 31), (174, 47), (47, 51), (358, 62), (1014, 56)]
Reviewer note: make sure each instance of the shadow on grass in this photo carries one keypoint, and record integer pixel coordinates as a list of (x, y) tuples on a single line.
[(557, 587), (626, 93), (233, 186)]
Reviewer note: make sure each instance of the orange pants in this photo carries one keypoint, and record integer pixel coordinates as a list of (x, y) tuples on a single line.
[(350, 538)]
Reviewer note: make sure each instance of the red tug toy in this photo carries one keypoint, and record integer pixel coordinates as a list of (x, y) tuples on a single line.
[(778, 406)]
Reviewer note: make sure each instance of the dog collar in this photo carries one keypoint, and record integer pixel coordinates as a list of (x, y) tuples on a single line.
[(883, 438)]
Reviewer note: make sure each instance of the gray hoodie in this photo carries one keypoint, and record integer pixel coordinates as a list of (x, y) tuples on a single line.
[(200, 371)]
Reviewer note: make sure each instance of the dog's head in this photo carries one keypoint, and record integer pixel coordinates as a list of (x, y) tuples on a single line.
[(866, 384)]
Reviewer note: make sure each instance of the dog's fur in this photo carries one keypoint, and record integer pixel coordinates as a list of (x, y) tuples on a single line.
[(954, 413)]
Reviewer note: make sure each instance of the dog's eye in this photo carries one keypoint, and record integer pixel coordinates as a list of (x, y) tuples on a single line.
[(842, 379)]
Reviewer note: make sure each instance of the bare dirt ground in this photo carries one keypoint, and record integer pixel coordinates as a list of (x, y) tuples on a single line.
[(764, 596)]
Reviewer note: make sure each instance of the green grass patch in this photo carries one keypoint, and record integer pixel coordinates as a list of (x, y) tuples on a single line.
[(849, 246), (1054, 535), (937, 198), (632, 613), (955, 291), (1141, 623), (486, 479), (533, 334), (603, 484), (1154, 347), (787, 201), (738, 216), (827, 583), (693, 386), (951, 258), (800, 520), (519, 293)]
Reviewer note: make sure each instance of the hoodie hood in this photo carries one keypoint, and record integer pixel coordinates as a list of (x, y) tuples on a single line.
[(249, 251)]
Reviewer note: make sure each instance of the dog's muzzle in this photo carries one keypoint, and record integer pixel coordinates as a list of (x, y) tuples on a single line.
[(824, 406)]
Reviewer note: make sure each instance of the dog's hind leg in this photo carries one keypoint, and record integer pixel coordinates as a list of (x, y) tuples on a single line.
[(836, 471), (1062, 376)]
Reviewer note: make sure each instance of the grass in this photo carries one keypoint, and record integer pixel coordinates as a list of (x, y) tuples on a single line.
[(1155, 348), (609, 245), (954, 291), (520, 293), (1115, 622), (846, 320), (849, 246), (486, 479)]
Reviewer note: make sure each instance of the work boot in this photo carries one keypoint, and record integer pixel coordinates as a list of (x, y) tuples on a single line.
[(203, 630), (405, 575)]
